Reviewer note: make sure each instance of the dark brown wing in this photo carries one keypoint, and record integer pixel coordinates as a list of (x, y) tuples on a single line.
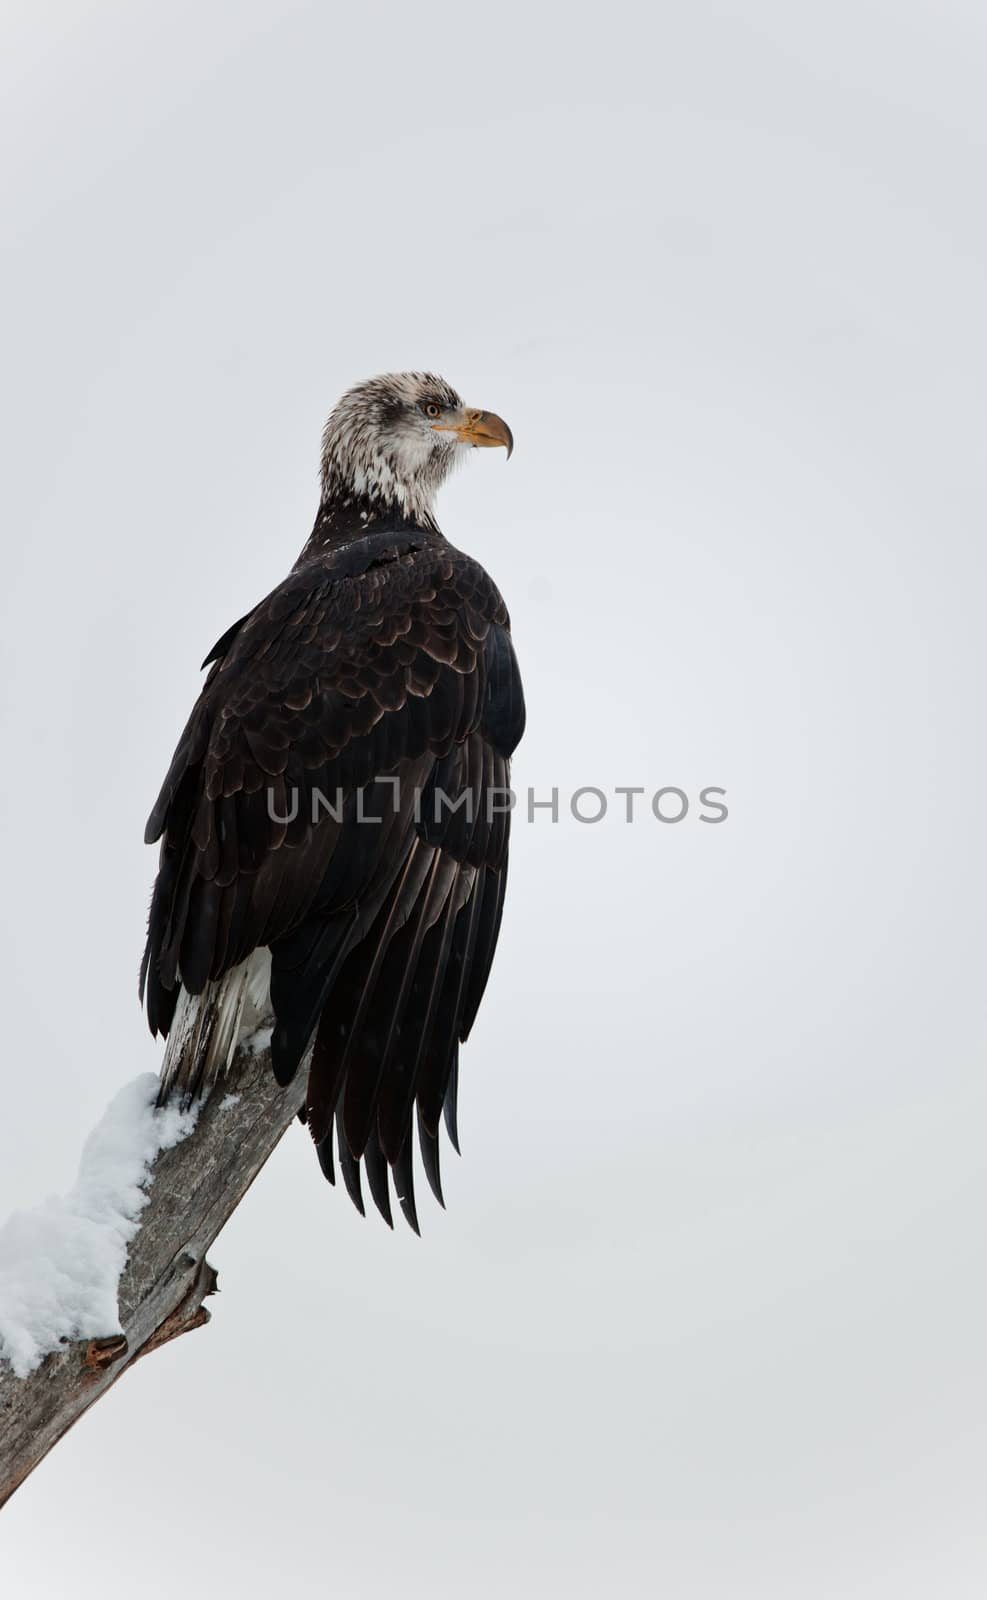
[(377, 682)]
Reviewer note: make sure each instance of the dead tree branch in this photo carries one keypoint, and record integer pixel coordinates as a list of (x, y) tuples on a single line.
[(196, 1187)]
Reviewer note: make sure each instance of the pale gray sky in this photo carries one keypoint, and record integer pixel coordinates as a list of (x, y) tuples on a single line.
[(705, 1316)]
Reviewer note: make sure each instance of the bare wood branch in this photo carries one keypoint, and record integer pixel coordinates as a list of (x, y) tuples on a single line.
[(196, 1187)]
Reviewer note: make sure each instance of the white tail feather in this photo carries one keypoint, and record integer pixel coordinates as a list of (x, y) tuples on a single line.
[(207, 1027)]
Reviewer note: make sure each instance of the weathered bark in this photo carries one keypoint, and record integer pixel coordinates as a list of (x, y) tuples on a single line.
[(195, 1187)]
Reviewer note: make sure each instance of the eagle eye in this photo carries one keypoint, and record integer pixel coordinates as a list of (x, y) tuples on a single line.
[(431, 408)]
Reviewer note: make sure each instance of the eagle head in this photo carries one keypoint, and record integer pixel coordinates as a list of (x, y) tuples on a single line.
[(392, 440)]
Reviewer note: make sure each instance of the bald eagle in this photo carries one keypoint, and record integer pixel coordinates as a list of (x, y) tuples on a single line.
[(334, 823)]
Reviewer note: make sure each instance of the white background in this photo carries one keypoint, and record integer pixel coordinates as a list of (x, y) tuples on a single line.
[(705, 1315)]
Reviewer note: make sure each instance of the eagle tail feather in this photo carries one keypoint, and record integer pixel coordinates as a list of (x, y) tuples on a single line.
[(207, 1028)]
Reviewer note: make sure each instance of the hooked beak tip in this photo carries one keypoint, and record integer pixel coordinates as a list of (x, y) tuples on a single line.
[(483, 430)]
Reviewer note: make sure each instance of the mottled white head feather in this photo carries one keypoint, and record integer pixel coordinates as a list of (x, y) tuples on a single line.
[(381, 443)]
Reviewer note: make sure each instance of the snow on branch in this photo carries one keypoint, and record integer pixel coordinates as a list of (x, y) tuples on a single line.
[(61, 1264), (93, 1280)]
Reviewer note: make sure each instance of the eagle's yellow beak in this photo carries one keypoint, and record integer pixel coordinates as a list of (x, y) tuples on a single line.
[(483, 429)]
